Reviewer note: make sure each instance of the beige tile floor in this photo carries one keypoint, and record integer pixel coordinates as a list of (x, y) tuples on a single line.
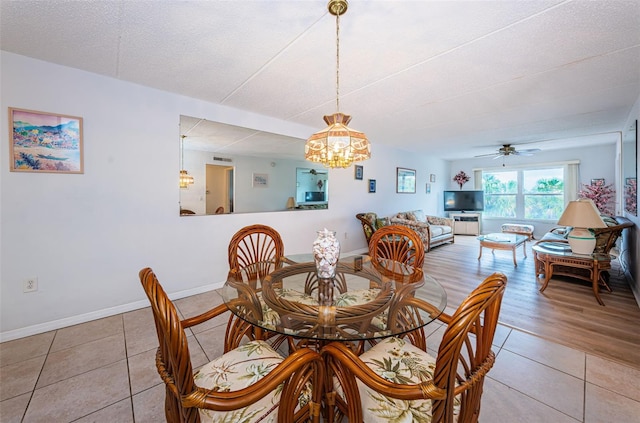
[(104, 371)]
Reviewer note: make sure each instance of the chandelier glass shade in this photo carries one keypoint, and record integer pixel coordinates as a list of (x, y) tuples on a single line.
[(185, 178), (337, 145)]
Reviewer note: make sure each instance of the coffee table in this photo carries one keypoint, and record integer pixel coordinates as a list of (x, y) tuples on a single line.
[(501, 241)]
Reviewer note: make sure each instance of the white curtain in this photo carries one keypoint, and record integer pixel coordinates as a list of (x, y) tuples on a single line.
[(477, 179), (571, 182)]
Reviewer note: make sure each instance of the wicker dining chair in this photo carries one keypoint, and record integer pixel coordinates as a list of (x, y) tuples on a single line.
[(248, 383), (396, 381), (254, 252), (396, 248)]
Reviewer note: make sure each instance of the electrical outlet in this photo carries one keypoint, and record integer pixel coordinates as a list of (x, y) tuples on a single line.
[(30, 285)]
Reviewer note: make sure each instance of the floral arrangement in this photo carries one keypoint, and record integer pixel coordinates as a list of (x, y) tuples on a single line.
[(602, 195), (630, 196), (461, 178)]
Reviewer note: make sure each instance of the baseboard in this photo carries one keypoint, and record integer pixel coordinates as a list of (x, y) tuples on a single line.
[(112, 311), (98, 314)]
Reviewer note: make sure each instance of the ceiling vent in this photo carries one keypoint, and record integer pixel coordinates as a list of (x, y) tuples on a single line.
[(222, 159)]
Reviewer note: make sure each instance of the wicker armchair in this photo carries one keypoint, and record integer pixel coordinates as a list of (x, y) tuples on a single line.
[(370, 223), (396, 381), (246, 384)]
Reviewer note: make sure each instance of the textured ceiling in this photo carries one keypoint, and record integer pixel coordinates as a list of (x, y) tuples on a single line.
[(452, 78)]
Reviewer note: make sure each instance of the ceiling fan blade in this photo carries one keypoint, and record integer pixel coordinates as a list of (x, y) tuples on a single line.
[(489, 155), (529, 150)]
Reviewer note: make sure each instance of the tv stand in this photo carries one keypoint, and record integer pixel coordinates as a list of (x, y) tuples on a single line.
[(466, 223)]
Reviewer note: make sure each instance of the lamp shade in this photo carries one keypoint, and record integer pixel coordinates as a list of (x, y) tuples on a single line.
[(582, 215), (291, 203)]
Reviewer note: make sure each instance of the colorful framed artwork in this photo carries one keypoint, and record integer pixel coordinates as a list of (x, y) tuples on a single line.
[(359, 171), (428, 188), (432, 177), (45, 142), (630, 181), (260, 180), (599, 181), (405, 180), (372, 185)]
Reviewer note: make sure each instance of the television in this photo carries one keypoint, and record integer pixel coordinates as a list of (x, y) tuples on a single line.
[(463, 201), (314, 196)]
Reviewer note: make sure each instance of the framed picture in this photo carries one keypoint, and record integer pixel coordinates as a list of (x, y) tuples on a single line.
[(372, 185), (630, 181), (405, 180), (432, 177), (359, 170), (428, 189), (45, 142), (599, 181), (260, 180)]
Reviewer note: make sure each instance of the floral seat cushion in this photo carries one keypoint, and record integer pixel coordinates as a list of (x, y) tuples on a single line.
[(270, 317), (238, 369), (400, 362), (359, 297)]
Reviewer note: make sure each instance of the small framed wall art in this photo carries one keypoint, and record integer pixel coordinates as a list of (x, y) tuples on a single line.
[(359, 171), (45, 142), (599, 181), (432, 177), (372, 185), (405, 180), (260, 180), (428, 188)]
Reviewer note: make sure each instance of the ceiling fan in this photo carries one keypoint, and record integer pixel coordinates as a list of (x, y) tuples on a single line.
[(509, 150)]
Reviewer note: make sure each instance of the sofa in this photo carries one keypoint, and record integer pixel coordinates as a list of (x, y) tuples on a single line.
[(432, 230)]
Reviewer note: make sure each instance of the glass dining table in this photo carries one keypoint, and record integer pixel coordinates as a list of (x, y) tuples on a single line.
[(364, 301)]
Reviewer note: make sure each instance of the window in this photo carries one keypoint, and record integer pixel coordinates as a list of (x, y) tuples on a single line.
[(531, 193)]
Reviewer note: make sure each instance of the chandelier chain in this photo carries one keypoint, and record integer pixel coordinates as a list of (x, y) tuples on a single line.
[(338, 61)]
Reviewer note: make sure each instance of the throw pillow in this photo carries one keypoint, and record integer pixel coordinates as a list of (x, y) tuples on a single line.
[(420, 216)]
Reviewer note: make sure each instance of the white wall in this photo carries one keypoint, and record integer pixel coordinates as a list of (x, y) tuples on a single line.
[(86, 236), (595, 162)]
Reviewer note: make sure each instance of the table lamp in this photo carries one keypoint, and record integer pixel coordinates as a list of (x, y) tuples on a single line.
[(582, 215), (291, 203)]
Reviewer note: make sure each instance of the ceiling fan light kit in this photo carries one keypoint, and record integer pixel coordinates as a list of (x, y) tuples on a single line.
[(509, 150)]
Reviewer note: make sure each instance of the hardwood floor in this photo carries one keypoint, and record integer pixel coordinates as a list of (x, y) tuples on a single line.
[(567, 312)]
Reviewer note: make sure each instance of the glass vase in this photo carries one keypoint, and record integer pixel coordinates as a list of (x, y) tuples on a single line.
[(326, 252)]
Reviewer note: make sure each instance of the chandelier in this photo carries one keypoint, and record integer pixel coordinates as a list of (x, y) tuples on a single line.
[(337, 145), (185, 178)]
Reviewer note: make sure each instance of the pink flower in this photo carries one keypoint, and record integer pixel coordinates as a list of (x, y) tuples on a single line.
[(602, 196), (461, 178)]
